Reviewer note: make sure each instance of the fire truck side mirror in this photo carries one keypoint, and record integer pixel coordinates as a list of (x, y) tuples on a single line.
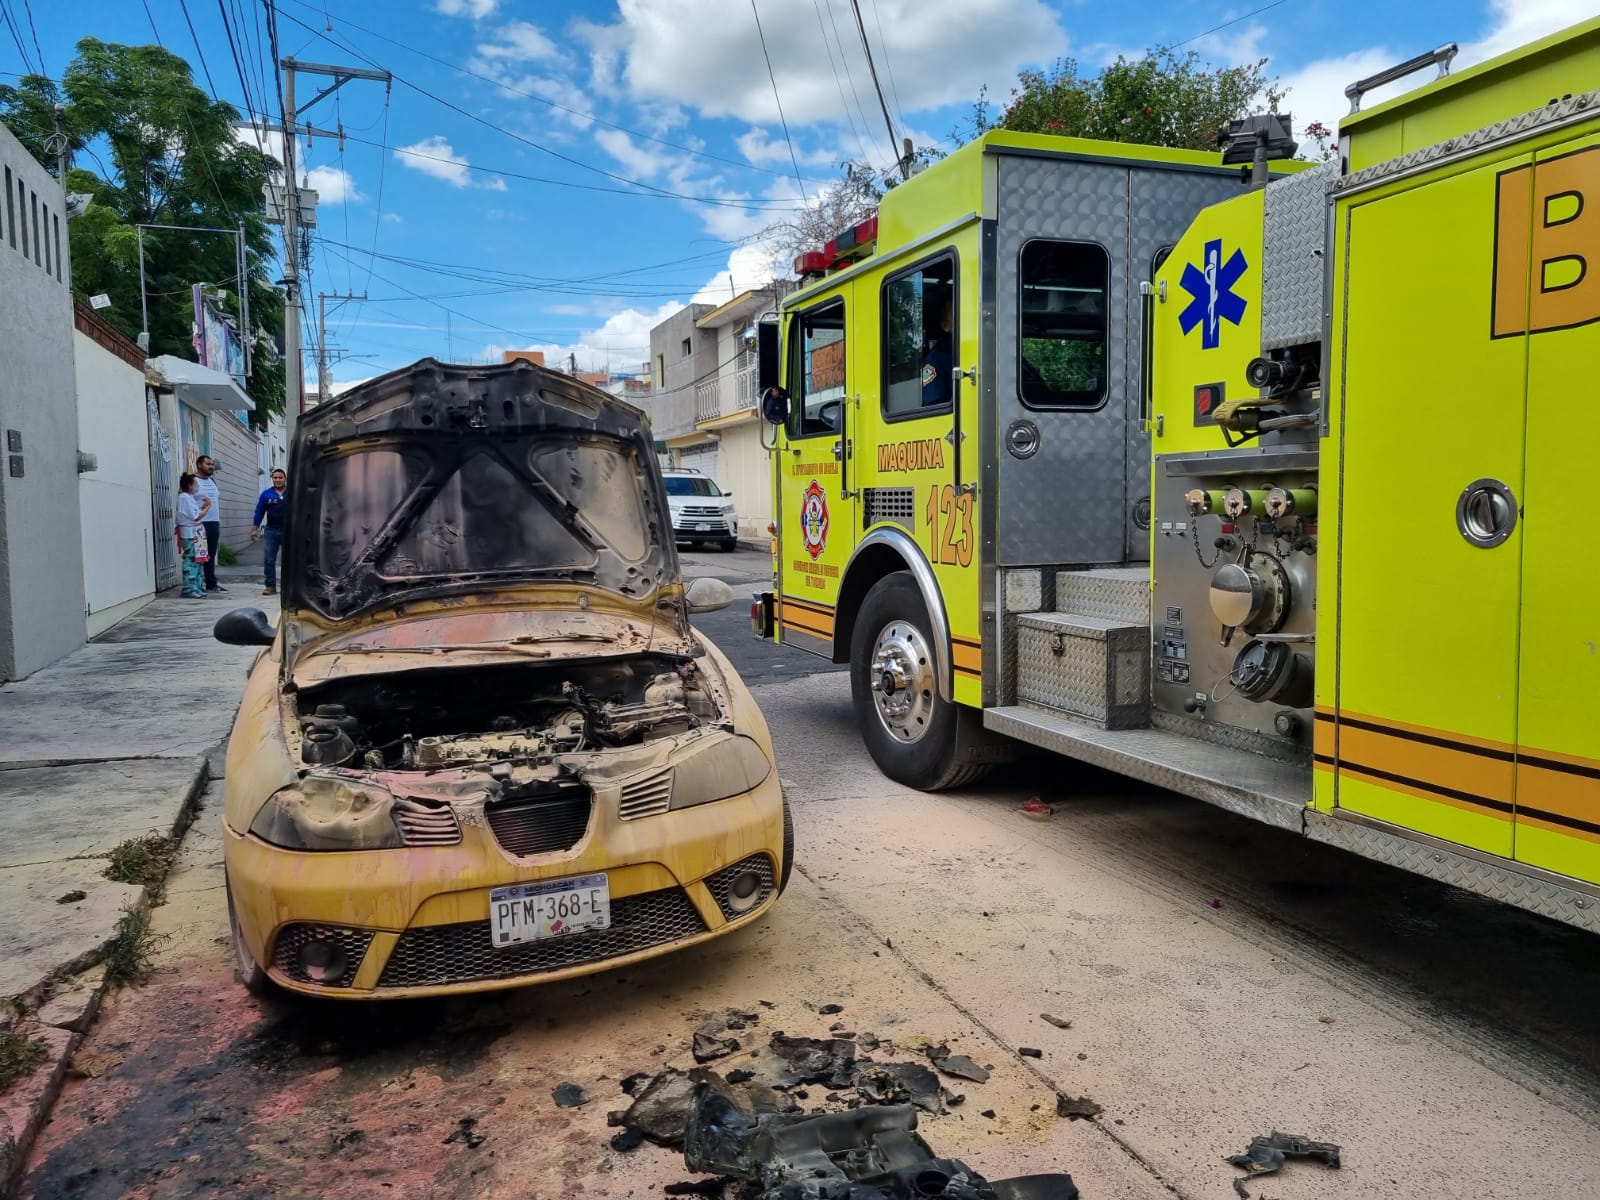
[(775, 406), (766, 348)]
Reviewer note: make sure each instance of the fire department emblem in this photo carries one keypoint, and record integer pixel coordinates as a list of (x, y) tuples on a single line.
[(814, 519)]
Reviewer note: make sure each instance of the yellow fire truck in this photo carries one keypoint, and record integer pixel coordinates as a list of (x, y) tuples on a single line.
[(1259, 482)]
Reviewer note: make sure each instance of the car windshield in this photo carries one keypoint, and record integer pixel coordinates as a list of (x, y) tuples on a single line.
[(691, 485), (514, 509)]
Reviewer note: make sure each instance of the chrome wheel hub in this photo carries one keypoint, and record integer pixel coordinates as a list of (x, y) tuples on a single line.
[(903, 687)]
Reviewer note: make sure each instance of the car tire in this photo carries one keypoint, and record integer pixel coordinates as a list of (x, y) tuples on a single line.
[(924, 741), (786, 867), (729, 546), (245, 968)]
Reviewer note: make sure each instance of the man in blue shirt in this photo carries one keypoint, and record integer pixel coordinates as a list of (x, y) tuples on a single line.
[(938, 359), (268, 526)]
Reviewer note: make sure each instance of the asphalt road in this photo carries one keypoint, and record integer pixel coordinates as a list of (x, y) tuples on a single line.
[(1221, 980)]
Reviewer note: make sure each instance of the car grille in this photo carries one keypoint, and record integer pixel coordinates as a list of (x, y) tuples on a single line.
[(286, 954), (541, 824), (647, 797), (721, 885), (426, 824), (463, 953), (701, 512)]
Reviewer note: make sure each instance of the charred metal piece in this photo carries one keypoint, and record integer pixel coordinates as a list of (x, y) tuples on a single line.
[(872, 1153), (1266, 1154)]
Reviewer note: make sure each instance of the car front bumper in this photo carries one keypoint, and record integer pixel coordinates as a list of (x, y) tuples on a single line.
[(415, 921)]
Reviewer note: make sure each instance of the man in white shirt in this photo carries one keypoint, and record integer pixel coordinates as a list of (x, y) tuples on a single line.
[(206, 489)]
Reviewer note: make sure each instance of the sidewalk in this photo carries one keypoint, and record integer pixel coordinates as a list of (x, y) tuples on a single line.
[(115, 742)]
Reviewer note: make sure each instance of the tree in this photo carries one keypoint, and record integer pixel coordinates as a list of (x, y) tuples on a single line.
[(838, 207), (163, 153), (1161, 99)]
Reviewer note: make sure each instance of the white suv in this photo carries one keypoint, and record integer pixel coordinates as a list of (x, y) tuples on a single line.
[(701, 510)]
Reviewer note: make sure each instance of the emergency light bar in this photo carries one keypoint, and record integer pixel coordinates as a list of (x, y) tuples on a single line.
[(854, 243)]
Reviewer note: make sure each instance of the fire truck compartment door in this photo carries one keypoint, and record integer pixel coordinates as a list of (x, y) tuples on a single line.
[(1558, 716), (1429, 579)]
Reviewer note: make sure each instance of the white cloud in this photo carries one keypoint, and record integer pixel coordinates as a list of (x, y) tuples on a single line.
[(333, 186), (519, 41), (393, 218), (761, 148), (476, 9), (696, 53), (1316, 91), (435, 156)]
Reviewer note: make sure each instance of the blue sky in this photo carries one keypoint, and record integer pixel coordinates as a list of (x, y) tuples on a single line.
[(514, 177)]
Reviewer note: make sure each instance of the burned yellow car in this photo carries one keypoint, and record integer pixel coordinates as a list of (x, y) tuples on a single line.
[(483, 747)]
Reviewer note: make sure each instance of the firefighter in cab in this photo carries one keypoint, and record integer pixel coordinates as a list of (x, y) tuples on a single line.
[(938, 356)]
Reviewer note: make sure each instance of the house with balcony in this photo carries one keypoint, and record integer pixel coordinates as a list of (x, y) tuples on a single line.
[(704, 404)]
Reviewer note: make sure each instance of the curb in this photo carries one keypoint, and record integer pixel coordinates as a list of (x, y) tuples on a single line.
[(61, 1017)]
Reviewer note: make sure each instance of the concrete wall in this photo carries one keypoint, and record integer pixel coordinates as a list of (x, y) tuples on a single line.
[(239, 476), (114, 499), (41, 556), (672, 372)]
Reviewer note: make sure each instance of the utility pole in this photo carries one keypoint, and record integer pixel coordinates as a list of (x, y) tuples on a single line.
[(294, 365), (324, 384)]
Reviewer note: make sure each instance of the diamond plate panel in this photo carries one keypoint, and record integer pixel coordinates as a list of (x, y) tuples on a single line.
[(1247, 784), (1551, 116), (1438, 861), (1292, 258), (1093, 668), (1024, 591), (1119, 594), (1079, 466)]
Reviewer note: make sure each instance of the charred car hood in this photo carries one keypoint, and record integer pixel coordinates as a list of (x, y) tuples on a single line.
[(436, 483)]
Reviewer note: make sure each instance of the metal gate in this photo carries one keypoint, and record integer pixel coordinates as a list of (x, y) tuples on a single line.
[(163, 500)]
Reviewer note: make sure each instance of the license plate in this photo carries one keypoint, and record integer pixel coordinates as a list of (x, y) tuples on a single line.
[(530, 912), (703, 528)]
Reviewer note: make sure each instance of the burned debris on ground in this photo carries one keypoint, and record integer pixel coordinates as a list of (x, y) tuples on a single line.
[(1267, 1153), (868, 1154)]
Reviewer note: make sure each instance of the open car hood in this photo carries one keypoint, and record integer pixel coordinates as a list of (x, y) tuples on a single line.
[(437, 482)]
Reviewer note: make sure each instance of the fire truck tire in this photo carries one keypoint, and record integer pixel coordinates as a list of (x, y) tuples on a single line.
[(914, 735)]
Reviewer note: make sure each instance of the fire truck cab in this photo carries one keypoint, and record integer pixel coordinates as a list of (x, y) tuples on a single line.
[(1259, 485)]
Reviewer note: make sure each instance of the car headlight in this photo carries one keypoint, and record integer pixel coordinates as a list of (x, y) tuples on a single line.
[(321, 813), (728, 766), (729, 510)]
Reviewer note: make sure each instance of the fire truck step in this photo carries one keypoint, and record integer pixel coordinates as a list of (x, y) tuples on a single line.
[(1112, 593), (1237, 780)]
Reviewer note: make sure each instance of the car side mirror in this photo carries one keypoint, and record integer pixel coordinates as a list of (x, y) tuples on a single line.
[(244, 627), (706, 595), (775, 406)]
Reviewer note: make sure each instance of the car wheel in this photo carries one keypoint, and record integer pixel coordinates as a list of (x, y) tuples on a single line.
[(786, 867), (914, 735), (729, 546), (245, 967)]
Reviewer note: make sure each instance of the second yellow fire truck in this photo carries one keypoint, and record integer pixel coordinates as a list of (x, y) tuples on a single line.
[(1261, 482)]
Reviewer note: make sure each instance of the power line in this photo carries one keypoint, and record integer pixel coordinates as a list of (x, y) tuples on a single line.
[(527, 141), (839, 82), (866, 46), (657, 194), (195, 37), (850, 75), (1255, 12), (793, 158), (383, 170), (244, 81), (887, 64), (27, 7), (576, 112), (156, 33), (16, 38)]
